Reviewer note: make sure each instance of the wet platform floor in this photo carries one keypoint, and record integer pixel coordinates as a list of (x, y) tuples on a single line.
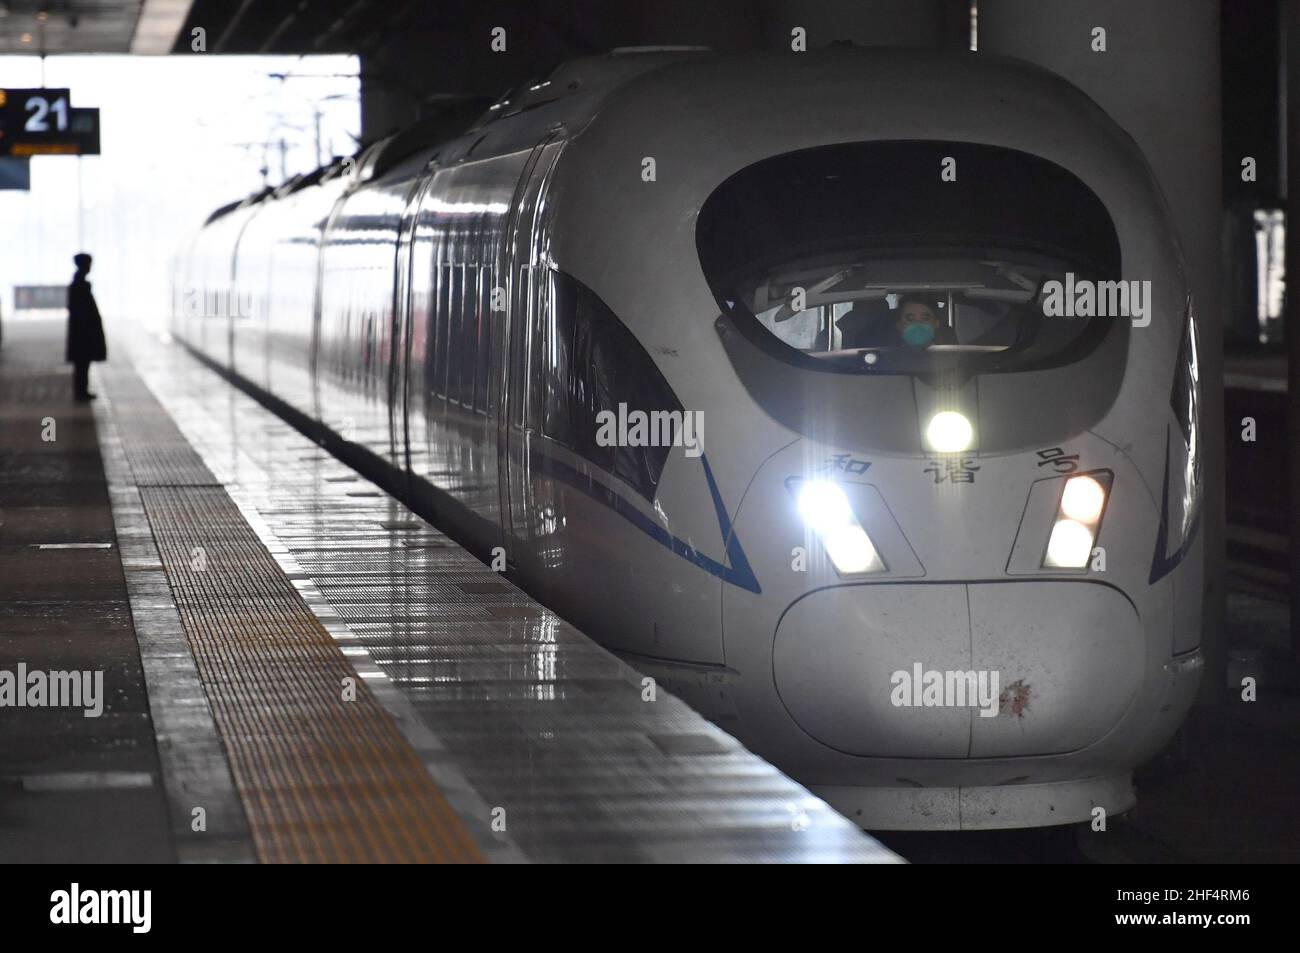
[(250, 575), (71, 787)]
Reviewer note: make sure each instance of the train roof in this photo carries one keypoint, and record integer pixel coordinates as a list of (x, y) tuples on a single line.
[(579, 82), (636, 89)]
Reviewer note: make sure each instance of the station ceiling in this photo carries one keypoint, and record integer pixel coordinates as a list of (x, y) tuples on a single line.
[(73, 26), (165, 26), (302, 26), (354, 26), (437, 46)]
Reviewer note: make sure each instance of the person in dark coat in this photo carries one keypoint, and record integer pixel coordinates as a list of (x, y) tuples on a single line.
[(85, 330)]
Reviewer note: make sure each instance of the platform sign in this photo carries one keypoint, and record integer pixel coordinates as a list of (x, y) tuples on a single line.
[(85, 130), (40, 297), (15, 174), (40, 122)]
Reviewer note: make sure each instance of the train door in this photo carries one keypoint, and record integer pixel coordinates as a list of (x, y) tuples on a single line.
[(525, 252), (410, 319)]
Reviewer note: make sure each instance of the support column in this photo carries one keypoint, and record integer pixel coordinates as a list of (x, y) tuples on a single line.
[(1291, 327), (1159, 79)]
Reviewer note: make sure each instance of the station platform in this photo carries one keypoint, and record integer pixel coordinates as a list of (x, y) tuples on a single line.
[(295, 667)]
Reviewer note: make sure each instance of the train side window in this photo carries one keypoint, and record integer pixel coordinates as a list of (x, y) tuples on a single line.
[(473, 305), (468, 330), (538, 298), (473, 336), (593, 363), (560, 420), (520, 352), (433, 334), (483, 346), (496, 327), (443, 347), (453, 311), (456, 332)]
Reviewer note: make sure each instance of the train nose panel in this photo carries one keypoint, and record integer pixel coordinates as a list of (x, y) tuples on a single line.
[(1070, 658), (959, 671), (836, 655)]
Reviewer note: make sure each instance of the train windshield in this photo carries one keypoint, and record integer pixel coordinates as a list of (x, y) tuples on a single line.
[(906, 257)]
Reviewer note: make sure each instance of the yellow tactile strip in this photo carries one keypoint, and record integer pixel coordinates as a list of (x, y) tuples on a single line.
[(322, 778), (158, 452)]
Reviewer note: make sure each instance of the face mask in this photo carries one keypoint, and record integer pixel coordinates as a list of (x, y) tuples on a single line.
[(918, 334)]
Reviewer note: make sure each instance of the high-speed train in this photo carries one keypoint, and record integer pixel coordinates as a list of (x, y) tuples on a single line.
[(851, 395)]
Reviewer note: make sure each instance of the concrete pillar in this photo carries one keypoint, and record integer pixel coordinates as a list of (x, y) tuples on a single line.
[(1291, 330), (1159, 79)]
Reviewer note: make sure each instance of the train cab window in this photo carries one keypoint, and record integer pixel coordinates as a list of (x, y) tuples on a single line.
[(591, 362), (862, 257)]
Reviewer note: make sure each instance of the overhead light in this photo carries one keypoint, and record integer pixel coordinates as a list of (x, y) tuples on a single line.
[(949, 432), (826, 511), (1078, 520)]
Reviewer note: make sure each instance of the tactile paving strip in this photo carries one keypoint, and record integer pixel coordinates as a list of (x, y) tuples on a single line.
[(323, 779), (158, 452)]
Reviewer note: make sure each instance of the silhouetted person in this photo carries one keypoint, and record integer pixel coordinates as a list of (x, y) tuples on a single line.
[(85, 330)]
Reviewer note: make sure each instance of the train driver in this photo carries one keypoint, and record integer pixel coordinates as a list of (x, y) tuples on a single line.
[(918, 323)]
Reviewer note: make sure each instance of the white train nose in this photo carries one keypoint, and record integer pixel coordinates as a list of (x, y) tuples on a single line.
[(1072, 658), (959, 670), (837, 650)]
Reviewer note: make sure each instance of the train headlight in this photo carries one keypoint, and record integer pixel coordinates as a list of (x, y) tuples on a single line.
[(1070, 546), (851, 551), (949, 432), (1083, 499), (824, 506), (1078, 520), (826, 511)]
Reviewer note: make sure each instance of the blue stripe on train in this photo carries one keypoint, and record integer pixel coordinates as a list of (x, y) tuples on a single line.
[(736, 570)]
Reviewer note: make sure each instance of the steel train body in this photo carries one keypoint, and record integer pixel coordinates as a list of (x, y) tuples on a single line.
[(716, 236)]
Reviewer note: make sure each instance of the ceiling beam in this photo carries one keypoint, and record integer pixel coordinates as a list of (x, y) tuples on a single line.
[(233, 25), (283, 27), (158, 26)]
